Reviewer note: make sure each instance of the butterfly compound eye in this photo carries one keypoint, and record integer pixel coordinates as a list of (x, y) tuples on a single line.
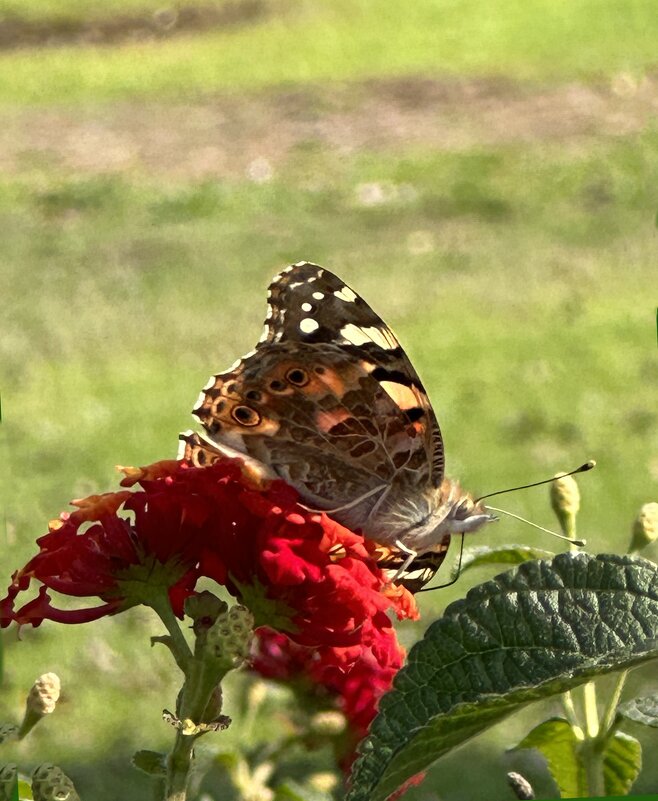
[(297, 377), (246, 416)]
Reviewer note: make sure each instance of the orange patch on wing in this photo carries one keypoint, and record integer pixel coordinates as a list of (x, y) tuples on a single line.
[(331, 379), (325, 421), (404, 396)]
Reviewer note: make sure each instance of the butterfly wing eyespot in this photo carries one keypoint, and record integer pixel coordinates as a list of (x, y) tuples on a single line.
[(297, 376), (278, 386), (246, 416)]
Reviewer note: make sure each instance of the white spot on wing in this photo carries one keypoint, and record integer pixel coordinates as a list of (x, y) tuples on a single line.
[(308, 325), (354, 335), (346, 294), (199, 402), (357, 335), (210, 383), (296, 284), (307, 307), (378, 336), (266, 332), (249, 355), (234, 366), (318, 295)]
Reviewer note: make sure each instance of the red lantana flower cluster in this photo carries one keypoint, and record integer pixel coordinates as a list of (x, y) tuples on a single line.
[(316, 593)]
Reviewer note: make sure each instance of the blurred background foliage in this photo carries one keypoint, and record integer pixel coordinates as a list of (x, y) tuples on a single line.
[(484, 174)]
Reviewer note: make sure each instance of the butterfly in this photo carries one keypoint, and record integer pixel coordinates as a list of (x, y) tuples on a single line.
[(329, 402)]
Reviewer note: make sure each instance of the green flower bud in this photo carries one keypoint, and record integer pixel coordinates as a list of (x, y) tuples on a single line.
[(204, 608), (8, 781), (229, 639), (645, 527), (565, 500), (50, 783)]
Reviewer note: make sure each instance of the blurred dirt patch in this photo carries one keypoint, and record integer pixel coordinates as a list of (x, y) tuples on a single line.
[(251, 135), (17, 32)]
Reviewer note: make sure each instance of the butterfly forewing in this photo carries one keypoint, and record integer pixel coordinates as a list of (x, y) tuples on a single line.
[(328, 400)]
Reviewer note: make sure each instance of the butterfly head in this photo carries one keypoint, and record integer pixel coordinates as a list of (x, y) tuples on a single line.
[(421, 522), (457, 512)]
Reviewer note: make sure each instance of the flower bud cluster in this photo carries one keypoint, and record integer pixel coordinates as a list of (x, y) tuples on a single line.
[(229, 639), (50, 783)]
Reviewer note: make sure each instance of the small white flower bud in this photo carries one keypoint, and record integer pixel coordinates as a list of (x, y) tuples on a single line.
[(645, 527)]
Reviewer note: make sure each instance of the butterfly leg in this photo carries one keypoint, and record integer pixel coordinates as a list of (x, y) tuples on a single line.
[(379, 501), (410, 554)]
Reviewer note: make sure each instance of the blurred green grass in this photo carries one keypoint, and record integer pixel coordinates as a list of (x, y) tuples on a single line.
[(540, 40), (52, 10), (520, 277)]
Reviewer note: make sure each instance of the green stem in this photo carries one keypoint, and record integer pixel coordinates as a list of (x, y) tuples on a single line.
[(592, 755), (178, 644), (592, 726), (202, 679), (571, 715), (610, 712), (570, 531)]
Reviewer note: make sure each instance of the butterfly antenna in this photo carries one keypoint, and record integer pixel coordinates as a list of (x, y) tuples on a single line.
[(455, 576), (579, 543), (582, 469)]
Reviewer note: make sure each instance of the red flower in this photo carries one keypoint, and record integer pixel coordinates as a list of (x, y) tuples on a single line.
[(353, 679), (315, 590), (298, 572)]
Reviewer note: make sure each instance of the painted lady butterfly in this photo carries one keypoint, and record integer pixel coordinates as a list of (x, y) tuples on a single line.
[(329, 402)]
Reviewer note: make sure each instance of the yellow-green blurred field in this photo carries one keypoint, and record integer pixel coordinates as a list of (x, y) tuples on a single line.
[(486, 175)]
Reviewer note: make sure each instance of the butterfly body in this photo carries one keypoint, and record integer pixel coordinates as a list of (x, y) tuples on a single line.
[(329, 402)]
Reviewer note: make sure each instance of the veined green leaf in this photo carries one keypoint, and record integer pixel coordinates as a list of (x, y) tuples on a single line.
[(504, 555), (557, 743), (539, 629), (622, 762)]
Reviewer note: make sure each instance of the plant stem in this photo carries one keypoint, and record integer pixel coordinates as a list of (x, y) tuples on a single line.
[(202, 679), (592, 726), (592, 755), (610, 713), (179, 647), (571, 715)]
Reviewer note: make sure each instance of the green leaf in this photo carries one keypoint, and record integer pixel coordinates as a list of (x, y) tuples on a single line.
[(557, 743), (539, 629), (153, 763), (24, 791), (504, 555), (641, 710), (622, 762)]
